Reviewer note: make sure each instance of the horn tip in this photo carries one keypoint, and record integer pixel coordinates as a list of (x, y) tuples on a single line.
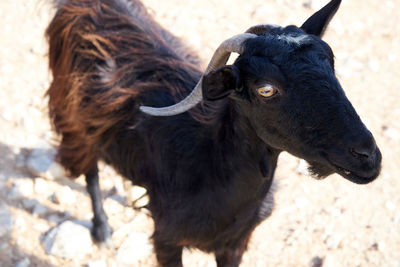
[(147, 110), (159, 112)]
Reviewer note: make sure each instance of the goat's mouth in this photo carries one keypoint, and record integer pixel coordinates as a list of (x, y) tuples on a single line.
[(358, 171), (354, 177)]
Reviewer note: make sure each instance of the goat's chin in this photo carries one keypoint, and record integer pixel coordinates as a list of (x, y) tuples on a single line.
[(319, 170)]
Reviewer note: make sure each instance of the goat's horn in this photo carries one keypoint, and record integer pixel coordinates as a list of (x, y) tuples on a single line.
[(261, 29), (219, 59)]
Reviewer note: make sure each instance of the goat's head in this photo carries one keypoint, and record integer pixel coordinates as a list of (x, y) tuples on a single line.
[(284, 84)]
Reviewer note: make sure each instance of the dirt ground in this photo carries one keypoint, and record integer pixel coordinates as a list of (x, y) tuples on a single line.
[(330, 222)]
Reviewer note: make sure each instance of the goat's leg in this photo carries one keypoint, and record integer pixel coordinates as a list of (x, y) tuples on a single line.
[(101, 230), (231, 257), (167, 255)]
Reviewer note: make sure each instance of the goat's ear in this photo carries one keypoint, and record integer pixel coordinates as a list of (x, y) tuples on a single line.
[(318, 22), (221, 82)]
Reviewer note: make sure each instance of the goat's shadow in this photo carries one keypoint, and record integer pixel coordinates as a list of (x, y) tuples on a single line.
[(11, 169)]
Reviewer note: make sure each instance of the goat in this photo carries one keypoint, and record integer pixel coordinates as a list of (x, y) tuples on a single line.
[(207, 161)]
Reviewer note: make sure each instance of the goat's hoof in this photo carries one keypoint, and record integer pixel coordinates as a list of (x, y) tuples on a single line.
[(102, 234), (107, 244)]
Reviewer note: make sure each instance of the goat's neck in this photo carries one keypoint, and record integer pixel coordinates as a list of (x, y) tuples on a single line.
[(235, 136)]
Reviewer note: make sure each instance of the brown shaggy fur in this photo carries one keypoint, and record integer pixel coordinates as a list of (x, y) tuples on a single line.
[(103, 55)]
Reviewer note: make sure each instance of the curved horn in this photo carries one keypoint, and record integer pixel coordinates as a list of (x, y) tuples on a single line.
[(261, 29), (219, 59)]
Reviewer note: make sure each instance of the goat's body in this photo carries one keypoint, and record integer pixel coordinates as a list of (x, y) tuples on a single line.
[(208, 171), (106, 57), (207, 181)]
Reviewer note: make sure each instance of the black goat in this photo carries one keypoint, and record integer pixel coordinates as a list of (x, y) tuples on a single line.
[(207, 171)]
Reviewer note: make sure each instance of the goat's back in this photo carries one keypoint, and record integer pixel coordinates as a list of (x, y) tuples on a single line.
[(107, 57)]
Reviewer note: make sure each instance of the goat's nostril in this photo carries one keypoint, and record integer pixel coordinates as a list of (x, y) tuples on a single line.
[(364, 151), (360, 152)]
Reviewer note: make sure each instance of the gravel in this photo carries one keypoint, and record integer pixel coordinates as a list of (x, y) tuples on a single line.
[(314, 223)]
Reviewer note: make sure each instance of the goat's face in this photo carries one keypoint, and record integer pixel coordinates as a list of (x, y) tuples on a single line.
[(285, 86)]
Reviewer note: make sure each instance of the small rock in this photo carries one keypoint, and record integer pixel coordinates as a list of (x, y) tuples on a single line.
[(374, 246), (40, 160), (7, 115), (59, 217), (40, 186), (23, 263), (137, 191), (54, 198), (5, 220), (42, 226), (21, 187), (20, 222), (314, 4), (333, 241), (97, 263), (302, 167), (135, 247), (28, 203), (390, 206), (68, 240), (316, 262), (112, 206), (39, 209), (56, 171), (137, 196), (65, 196), (391, 133), (41, 163), (118, 198)]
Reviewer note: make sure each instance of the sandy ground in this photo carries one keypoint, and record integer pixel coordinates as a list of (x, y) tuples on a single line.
[(341, 223)]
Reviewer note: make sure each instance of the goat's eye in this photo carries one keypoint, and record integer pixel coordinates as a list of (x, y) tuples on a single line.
[(267, 91)]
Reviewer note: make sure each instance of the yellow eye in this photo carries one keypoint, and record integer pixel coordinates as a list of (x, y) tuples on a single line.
[(267, 91)]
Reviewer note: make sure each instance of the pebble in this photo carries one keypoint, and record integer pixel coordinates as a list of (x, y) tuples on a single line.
[(112, 206), (333, 241), (40, 186), (28, 203), (96, 263), (23, 263), (6, 115), (59, 217), (6, 222), (391, 133), (390, 205), (315, 4), (39, 209), (137, 196), (21, 187), (68, 240), (39, 160), (41, 163), (316, 262), (64, 196), (135, 247), (302, 167)]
